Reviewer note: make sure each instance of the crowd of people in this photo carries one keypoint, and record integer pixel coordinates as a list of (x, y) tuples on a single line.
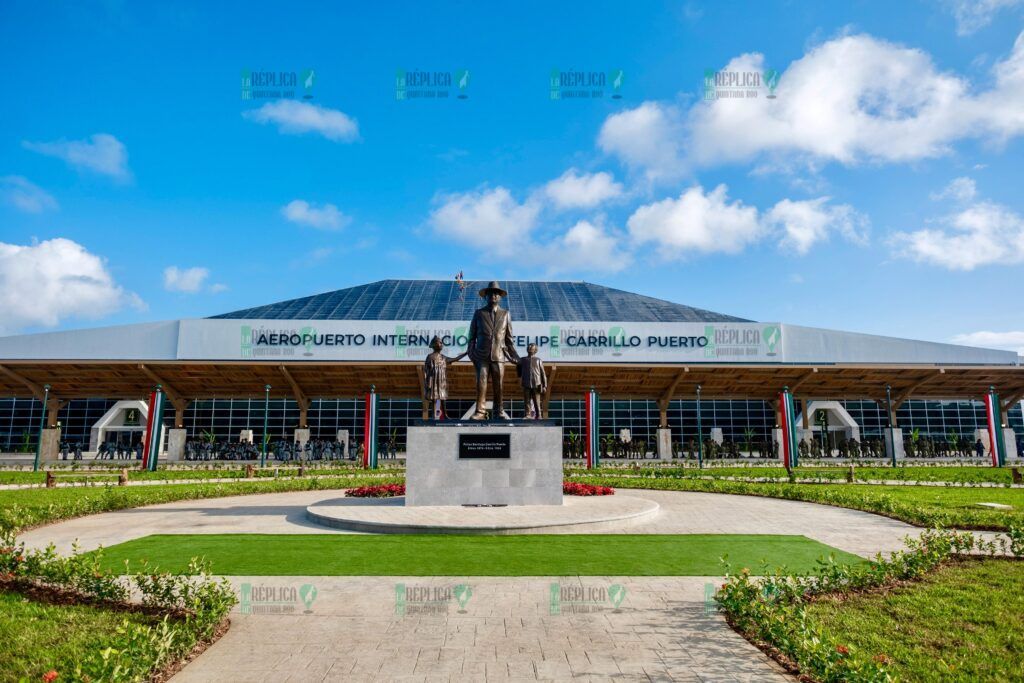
[(282, 451)]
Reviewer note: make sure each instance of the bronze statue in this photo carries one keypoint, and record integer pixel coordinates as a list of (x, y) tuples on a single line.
[(534, 381), (435, 378), (490, 347)]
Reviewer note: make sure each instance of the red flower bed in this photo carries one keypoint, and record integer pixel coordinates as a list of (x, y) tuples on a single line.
[(574, 488), (379, 491)]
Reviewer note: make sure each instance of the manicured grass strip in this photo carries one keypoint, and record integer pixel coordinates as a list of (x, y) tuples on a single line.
[(68, 473), (963, 622), (36, 637), (22, 509), (968, 474), (928, 506), (445, 555)]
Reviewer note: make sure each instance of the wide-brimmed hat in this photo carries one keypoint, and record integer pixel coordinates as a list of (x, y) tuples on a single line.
[(493, 287)]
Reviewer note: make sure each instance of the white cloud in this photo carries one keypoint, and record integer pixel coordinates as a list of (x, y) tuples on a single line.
[(26, 196), (102, 153), (648, 137), (696, 222), (326, 217), (959, 189), (972, 15), (983, 233), (699, 222), (294, 118), (574, 191), (849, 100), (486, 218), (805, 223), (1009, 341), (185, 279), (585, 247), (42, 284), (500, 228)]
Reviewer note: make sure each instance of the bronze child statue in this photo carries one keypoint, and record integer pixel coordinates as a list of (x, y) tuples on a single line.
[(435, 378), (534, 380)]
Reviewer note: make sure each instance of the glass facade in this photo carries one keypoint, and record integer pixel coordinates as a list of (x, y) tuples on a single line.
[(225, 418)]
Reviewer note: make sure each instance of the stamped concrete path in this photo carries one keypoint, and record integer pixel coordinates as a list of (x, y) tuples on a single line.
[(472, 628)]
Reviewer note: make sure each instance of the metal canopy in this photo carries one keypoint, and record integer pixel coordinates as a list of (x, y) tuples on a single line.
[(241, 379)]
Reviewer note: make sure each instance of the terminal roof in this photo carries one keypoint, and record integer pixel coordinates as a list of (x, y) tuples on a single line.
[(450, 300)]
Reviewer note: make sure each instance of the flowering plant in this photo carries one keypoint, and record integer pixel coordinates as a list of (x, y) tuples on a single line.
[(378, 491), (575, 488)]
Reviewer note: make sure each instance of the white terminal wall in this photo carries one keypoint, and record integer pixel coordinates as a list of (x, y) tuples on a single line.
[(220, 339)]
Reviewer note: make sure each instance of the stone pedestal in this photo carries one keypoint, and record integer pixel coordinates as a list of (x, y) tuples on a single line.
[(664, 443), (49, 448), (1010, 437), (245, 436), (717, 436), (531, 474), (175, 445), (893, 439), (343, 440)]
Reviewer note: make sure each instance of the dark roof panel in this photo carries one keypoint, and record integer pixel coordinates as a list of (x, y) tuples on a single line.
[(446, 300)]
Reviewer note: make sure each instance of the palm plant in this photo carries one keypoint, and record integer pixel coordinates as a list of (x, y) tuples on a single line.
[(748, 439)]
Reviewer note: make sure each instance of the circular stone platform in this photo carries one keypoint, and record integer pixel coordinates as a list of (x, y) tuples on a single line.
[(390, 516)]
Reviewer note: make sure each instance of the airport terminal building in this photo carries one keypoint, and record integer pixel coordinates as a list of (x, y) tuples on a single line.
[(302, 367)]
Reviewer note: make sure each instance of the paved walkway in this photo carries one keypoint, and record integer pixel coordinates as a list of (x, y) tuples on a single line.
[(661, 630)]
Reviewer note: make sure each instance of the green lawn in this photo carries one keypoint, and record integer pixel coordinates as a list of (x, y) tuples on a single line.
[(25, 508), (963, 622), (37, 637), (67, 472), (446, 555), (921, 505)]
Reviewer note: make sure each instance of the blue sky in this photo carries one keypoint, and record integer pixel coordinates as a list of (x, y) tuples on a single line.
[(877, 192)]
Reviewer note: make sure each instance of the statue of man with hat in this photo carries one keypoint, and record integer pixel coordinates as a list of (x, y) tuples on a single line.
[(490, 347)]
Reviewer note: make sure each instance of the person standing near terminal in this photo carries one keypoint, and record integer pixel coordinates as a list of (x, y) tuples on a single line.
[(490, 347)]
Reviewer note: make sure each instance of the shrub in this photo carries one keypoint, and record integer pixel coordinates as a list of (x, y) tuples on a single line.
[(575, 488), (772, 611), (377, 491), (191, 608)]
